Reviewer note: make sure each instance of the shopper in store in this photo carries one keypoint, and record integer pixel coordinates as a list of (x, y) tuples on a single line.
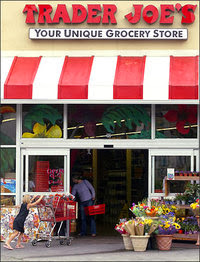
[(18, 224), (85, 195)]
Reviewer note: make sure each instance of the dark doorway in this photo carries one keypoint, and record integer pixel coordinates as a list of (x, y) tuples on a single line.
[(120, 178)]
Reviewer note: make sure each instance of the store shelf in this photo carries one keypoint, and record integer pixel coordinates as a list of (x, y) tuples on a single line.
[(186, 178), (179, 178), (186, 237)]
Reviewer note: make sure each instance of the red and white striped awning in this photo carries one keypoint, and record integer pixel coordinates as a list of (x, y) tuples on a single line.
[(30, 79)]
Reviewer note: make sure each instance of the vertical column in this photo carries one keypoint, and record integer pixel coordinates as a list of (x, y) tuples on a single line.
[(19, 175), (94, 168), (128, 176)]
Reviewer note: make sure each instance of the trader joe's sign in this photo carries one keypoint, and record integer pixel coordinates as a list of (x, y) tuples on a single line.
[(96, 14)]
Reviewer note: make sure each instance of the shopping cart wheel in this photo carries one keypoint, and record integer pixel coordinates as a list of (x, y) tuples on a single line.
[(69, 242), (34, 242), (48, 244), (62, 242)]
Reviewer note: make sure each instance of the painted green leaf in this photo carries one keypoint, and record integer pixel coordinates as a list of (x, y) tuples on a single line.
[(7, 159), (145, 134), (130, 114), (40, 112), (6, 140), (160, 135)]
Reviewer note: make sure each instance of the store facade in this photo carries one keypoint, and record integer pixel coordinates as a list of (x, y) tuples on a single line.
[(111, 89)]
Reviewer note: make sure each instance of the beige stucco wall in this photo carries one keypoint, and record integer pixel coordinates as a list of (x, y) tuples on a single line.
[(14, 32)]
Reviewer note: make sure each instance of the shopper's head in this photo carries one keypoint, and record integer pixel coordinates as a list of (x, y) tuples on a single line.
[(26, 199), (77, 178)]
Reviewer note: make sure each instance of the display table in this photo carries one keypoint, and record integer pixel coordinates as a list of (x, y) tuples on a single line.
[(8, 215), (192, 237)]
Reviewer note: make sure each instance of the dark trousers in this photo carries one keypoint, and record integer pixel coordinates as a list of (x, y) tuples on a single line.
[(84, 218)]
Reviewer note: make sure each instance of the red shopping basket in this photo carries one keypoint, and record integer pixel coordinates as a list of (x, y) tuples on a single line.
[(95, 210)]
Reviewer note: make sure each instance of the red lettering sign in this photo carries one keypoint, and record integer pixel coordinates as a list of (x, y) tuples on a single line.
[(105, 14), (150, 14), (61, 13)]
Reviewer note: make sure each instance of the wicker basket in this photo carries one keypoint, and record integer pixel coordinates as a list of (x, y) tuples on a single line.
[(127, 242), (139, 242)]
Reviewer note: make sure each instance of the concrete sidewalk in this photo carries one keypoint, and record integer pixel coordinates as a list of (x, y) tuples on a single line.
[(100, 248)]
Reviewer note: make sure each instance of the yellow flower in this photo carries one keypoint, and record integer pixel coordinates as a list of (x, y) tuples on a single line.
[(194, 205), (167, 210), (173, 207), (148, 221), (177, 226), (40, 131), (167, 225)]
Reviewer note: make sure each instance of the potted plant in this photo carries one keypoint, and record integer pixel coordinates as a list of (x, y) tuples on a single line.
[(192, 191), (196, 210), (184, 199), (164, 233), (178, 198)]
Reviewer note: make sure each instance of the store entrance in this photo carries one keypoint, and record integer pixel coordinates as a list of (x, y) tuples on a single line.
[(120, 177)]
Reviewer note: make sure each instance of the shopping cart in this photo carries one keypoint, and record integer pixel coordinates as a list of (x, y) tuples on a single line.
[(54, 209)]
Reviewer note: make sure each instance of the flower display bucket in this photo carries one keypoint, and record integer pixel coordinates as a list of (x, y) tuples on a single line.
[(164, 242), (127, 242), (139, 242)]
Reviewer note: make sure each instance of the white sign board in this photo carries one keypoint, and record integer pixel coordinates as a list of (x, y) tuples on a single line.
[(98, 34)]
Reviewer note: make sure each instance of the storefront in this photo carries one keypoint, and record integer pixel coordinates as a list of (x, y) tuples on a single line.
[(111, 89)]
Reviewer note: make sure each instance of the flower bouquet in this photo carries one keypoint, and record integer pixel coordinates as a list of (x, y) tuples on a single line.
[(139, 209), (153, 211), (129, 226), (144, 226), (121, 228)]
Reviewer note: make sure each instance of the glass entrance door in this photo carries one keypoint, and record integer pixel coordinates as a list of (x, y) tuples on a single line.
[(45, 171)]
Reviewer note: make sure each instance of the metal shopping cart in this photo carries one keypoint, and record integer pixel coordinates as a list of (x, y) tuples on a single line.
[(54, 209)]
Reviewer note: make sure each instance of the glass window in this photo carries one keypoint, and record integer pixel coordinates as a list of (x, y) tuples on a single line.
[(7, 200), (180, 163), (45, 173), (109, 121), (8, 124), (7, 168), (176, 121), (42, 121)]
